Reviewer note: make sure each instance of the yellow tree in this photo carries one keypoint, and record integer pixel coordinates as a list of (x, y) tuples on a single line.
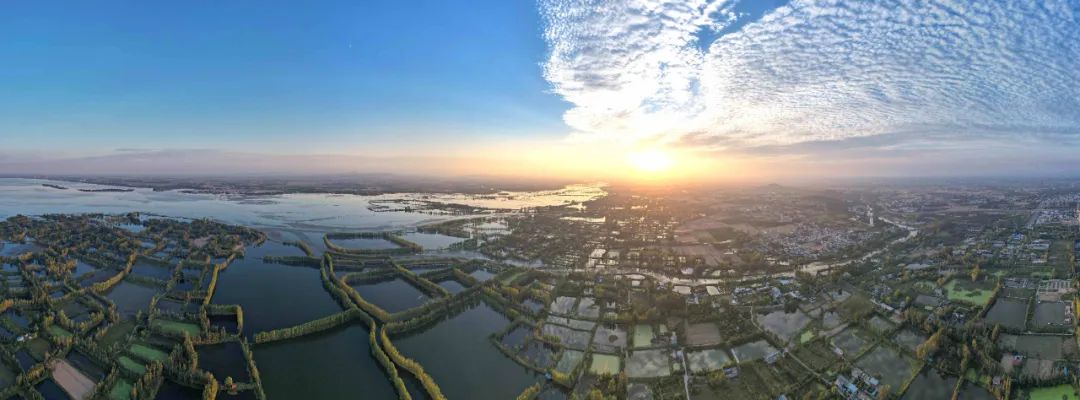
[(883, 394)]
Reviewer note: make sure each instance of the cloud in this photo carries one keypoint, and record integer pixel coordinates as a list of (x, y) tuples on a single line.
[(816, 71)]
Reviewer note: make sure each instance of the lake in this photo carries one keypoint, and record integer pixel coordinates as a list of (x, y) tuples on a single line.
[(130, 298), (261, 288), (336, 364), (331, 364), (392, 295), (303, 213), (463, 340)]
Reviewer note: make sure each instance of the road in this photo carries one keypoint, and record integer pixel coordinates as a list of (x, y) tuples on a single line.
[(686, 372)]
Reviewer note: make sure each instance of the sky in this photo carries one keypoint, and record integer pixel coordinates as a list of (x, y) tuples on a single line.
[(723, 90)]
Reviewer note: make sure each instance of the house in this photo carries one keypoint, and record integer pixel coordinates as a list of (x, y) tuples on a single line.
[(847, 388), (732, 372)]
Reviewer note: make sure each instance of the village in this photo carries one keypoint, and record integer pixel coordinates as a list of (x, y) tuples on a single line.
[(763, 293)]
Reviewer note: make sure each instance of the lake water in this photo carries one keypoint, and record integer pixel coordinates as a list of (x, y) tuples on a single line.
[(224, 360), (452, 285), (463, 341), (336, 364), (431, 241), (82, 268), (130, 298), (393, 295), (273, 295), (304, 213), (51, 391), (365, 244), (7, 376), (173, 391), (333, 364)]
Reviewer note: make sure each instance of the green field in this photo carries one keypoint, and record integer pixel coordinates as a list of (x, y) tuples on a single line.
[(132, 365), (603, 364), (1043, 274), (643, 335), (976, 293), (510, 277), (148, 353), (121, 390), (38, 348), (924, 286), (58, 331), (117, 332), (1058, 392), (177, 327)]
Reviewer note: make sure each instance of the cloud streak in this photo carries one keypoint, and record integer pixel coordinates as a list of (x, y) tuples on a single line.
[(816, 71)]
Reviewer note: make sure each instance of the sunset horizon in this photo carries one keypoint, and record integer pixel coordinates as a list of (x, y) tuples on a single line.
[(726, 91), (540, 200)]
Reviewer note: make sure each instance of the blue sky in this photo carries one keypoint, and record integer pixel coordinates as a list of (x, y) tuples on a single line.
[(546, 87), (97, 76)]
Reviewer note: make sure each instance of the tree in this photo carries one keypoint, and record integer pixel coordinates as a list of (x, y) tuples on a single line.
[(975, 273), (595, 394), (883, 394), (965, 359), (211, 388)]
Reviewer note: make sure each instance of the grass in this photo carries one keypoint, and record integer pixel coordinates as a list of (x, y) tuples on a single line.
[(148, 353), (806, 336), (1054, 393), (643, 335), (177, 327), (603, 364), (117, 332), (975, 293), (38, 348), (132, 365), (121, 390), (1043, 274), (856, 307), (510, 277), (58, 331), (926, 287), (1059, 255), (973, 376)]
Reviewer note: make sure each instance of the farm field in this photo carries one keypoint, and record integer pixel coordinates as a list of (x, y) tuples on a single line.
[(974, 293), (1008, 313), (892, 367), (604, 364)]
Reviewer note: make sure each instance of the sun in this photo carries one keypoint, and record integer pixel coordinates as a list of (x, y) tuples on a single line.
[(650, 161)]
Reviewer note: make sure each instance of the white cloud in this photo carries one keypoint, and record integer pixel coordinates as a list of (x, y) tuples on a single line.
[(815, 70)]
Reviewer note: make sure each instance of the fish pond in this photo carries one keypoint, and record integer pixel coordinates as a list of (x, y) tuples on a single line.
[(273, 295), (392, 295), (463, 340)]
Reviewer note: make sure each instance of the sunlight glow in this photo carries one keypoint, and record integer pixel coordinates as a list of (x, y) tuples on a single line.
[(650, 161)]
